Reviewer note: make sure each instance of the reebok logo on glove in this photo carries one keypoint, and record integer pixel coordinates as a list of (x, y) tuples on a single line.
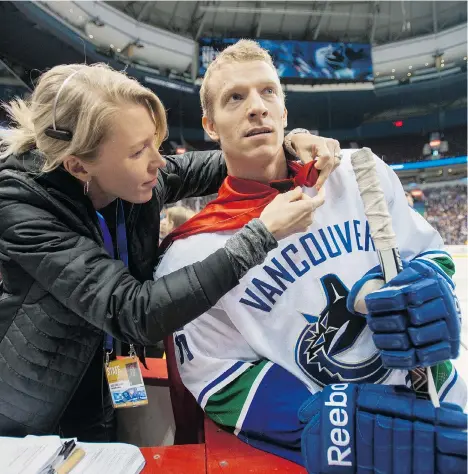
[(381, 428), (339, 451)]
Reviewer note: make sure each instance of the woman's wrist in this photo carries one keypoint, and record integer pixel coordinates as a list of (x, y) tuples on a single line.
[(249, 247)]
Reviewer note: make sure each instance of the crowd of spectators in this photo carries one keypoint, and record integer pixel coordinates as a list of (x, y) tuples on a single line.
[(446, 210)]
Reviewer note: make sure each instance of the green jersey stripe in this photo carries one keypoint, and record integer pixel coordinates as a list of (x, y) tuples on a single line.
[(225, 406), (446, 264), (442, 372)]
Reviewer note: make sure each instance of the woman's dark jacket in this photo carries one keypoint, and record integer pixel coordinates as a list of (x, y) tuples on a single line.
[(61, 291)]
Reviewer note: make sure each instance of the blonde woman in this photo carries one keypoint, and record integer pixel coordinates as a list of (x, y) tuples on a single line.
[(81, 187)]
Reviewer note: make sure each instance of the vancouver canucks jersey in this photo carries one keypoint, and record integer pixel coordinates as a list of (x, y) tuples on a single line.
[(284, 332)]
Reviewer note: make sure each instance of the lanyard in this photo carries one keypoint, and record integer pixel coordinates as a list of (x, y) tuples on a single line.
[(122, 251), (121, 235)]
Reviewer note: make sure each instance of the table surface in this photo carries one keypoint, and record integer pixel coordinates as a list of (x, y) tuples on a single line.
[(226, 454), (186, 459), (222, 453)]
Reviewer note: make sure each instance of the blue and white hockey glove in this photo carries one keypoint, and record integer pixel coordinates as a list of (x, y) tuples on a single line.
[(415, 317), (381, 429)]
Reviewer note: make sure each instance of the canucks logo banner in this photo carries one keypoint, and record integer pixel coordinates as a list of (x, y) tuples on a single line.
[(333, 332), (325, 62)]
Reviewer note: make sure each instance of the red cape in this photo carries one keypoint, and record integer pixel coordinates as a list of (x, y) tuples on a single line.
[(241, 200)]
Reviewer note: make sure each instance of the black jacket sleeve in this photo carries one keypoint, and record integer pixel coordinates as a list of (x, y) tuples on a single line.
[(201, 173), (83, 278)]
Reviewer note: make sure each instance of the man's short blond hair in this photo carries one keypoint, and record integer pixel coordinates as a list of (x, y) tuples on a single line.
[(242, 51)]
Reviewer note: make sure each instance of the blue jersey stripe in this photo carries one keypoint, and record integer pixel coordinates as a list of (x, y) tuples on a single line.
[(429, 252), (449, 386), (271, 422)]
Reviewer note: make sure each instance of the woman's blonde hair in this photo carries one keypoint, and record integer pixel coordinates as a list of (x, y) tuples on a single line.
[(86, 106), (178, 215), (242, 51)]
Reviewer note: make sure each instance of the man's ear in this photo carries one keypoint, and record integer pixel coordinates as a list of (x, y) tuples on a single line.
[(285, 118), (210, 128), (77, 168)]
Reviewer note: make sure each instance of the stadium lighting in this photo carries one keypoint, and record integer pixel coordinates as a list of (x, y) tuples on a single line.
[(409, 74), (377, 73), (111, 46), (410, 67), (442, 65), (393, 70), (91, 36), (71, 10), (464, 59), (119, 50), (427, 64), (392, 77)]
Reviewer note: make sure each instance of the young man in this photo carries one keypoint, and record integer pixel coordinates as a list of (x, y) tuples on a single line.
[(287, 357)]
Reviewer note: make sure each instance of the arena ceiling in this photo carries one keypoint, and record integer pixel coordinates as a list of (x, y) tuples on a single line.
[(376, 22)]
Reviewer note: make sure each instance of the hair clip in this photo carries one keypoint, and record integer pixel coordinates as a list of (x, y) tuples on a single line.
[(59, 134), (54, 132)]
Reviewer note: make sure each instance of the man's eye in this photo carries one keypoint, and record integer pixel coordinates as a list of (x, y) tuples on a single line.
[(236, 96), (269, 90)]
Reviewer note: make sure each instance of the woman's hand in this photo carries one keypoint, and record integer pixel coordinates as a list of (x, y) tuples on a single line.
[(291, 212), (326, 151)]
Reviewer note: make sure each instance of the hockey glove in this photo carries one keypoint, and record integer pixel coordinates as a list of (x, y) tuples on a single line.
[(381, 428), (415, 317)]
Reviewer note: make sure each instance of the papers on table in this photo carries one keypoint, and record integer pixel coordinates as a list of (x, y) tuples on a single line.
[(32, 454)]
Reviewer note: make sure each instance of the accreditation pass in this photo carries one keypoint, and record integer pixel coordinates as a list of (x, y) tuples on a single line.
[(126, 383)]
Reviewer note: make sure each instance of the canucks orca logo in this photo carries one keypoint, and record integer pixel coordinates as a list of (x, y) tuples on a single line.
[(333, 332)]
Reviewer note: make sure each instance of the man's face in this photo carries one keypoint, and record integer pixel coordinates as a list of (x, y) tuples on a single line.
[(249, 115)]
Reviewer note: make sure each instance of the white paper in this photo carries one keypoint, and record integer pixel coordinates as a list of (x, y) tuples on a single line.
[(117, 458), (31, 454), (27, 455)]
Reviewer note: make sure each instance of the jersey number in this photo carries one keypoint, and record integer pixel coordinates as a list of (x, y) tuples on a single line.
[(181, 342)]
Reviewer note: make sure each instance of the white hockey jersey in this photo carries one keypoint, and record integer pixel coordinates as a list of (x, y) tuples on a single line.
[(285, 328)]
